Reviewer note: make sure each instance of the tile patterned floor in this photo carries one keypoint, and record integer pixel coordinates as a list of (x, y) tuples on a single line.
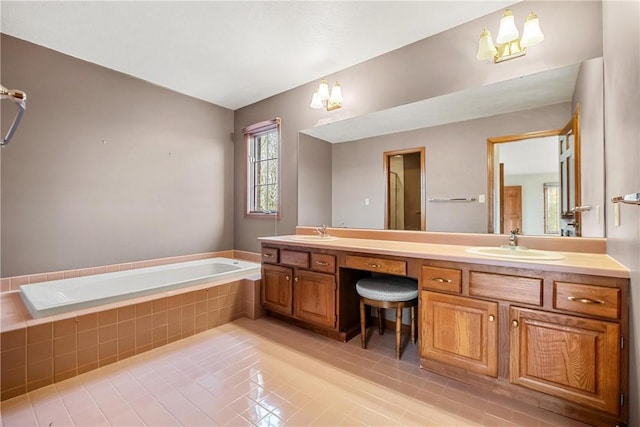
[(267, 373)]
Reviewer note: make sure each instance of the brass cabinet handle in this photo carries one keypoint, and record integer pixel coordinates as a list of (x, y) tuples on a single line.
[(322, 263), (514, 323), (374, 265), (492, 318), (287, 278), (440, 280), (585, 300), (295, 280)]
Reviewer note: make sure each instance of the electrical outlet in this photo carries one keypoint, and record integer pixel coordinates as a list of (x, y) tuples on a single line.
[(616, 214), (481, 198), (366, 201)]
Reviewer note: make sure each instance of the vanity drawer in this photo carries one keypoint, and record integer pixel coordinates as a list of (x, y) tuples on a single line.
[(379, 265), (441, 279), (294, 258), (270, 255), (324, 263), (525, 290), (587, 299)]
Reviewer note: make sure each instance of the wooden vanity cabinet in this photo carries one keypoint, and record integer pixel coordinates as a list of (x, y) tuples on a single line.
[(315, 298), (570, 357), (300, 284), (277, 289), (555, 340), (460, 331)]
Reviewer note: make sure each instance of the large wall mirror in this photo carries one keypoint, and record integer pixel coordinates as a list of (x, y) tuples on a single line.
[(533, 182), (342, 182)]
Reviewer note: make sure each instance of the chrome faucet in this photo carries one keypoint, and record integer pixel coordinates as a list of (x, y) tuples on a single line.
[(513, 238), (322, 231)]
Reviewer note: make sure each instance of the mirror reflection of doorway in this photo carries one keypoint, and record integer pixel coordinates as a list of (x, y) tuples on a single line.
[(512, 212), (404, 175)]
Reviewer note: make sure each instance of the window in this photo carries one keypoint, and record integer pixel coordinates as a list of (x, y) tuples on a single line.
[(551, 208), (262, 168)]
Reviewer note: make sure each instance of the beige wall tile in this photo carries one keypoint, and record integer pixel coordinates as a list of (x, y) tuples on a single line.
[(64, 345), (58, 275), (144, 309), (88, 356), (13, 378), (159, 304), (107, 333), (13, 339), (39, 371), (87, 339), (38, 333), (64, 327), (107, 317), (127, 328), (126, 313), (87, 321)]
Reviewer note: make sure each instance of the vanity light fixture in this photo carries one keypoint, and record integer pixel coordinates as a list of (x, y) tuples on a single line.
[(322, 98), (509, 43)]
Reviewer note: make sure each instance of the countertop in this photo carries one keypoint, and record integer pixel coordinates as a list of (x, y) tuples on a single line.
[(574, 262)]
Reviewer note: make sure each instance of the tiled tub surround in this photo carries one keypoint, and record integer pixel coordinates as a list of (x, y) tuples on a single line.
[(13, 283), (38, 352), (61, 296)]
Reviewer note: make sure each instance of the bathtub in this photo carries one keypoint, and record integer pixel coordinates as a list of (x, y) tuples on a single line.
[(61, 296)]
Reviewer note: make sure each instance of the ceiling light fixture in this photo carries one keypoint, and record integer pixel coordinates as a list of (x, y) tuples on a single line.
[(509, 43), (322, 98)]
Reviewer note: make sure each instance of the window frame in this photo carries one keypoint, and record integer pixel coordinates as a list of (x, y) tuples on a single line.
[(250, 133)]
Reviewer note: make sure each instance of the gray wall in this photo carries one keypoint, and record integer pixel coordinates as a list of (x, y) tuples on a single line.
[(589, 95), (161, 185), (622, 155), (434, 66), (456, 164)]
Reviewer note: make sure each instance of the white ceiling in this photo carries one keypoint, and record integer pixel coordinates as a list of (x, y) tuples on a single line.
[(233, 53)]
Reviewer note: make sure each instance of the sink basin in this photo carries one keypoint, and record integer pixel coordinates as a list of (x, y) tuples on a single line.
[(313, 238), (515, 253)]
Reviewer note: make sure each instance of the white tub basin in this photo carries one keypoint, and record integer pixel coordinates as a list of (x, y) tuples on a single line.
[(313, 238), (515, 253)]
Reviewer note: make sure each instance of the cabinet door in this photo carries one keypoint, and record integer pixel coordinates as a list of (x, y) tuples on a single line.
[(277, 289), (570, 357), (315, 298), (460, 331)]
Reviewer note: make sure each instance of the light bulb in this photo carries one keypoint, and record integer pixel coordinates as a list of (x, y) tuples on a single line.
[(315, 101), (508, 31), (531, 35), (486, 49)]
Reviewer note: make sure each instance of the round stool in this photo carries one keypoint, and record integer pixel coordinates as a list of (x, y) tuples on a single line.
[(388, 292)]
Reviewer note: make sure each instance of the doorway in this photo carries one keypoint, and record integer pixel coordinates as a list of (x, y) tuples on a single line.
[(405, 188)]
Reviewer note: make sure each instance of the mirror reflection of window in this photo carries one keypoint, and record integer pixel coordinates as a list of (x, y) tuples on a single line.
[(551, 192)]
